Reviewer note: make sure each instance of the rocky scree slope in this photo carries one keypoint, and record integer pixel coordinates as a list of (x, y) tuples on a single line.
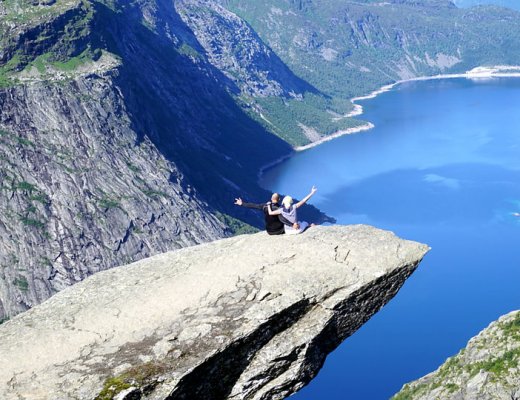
[(487, 369), (119, 138), (246, 317)]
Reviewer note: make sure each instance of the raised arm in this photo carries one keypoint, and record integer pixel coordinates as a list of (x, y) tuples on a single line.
[(240, 202), (306, 198), (271, 212)]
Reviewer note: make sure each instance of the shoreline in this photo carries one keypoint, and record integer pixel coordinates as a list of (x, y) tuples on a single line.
[(360, 128), (497, 71), (272, 164)]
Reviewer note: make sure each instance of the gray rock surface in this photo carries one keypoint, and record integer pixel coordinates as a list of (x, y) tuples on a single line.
[(234, 48), (116, 143), (487, 369), (80, 193), (252, 316)]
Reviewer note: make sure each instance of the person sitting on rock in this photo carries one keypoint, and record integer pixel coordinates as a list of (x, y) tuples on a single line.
[(288, 211), (274, 224)]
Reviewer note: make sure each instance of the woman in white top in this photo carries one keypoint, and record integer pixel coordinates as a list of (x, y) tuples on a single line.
[(288, 211)]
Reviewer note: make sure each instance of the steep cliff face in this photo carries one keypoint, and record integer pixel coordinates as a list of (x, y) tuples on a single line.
[(233, 47), (250, 317), (487, 369), (81, 193), (115, 136)]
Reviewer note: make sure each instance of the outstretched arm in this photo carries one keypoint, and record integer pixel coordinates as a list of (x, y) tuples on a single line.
[(271, 212), (306, 198), (240, 202)]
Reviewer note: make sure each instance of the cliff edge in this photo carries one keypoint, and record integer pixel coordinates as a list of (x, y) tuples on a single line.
[(253, 316)]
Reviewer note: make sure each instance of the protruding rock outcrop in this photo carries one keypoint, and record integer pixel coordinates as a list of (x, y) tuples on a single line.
[(487, 369), (246, 317)]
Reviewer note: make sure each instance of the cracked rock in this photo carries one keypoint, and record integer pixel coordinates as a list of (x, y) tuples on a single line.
[(252, 316)]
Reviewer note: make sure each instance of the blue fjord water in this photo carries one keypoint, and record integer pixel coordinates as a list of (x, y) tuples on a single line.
[(442, 167)]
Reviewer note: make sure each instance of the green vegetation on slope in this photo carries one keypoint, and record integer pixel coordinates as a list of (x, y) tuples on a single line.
[(495, 352), (237, 227), (514, 4), (54, 37), (349, 48), (289, 118)]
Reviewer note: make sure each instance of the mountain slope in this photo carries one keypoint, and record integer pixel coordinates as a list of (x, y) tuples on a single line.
[(503, 3), (487, 369), (119, 140), (350, 48)]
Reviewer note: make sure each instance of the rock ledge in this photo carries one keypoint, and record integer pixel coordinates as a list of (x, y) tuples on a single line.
[(252, 316)]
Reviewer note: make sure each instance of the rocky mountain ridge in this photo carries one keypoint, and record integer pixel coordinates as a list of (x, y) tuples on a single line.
[(488, 368), (252, 316), (106, 157)]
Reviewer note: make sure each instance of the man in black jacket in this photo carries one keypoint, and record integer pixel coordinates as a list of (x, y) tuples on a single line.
[(273, 224)]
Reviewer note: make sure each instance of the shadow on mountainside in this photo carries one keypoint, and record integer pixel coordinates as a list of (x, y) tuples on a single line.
[(184, 106)]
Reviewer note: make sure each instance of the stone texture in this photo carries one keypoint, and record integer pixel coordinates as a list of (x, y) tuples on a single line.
[(234, 48), (252, 316), (80, 192), (137, 150), (487, 369)]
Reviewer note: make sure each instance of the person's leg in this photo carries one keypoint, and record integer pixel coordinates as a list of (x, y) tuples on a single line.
[(289, 230)]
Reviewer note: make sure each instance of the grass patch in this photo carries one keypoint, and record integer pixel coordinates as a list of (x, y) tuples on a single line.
[(49, 60), (133, 167), (40, 198), (154, 193), (26, 186), (188, 51), (512, 328), (108, 203), (74, 62), (497, 366), (21, 283), (452, 387), (24, 141), (11, 66), (112, 387), (141, 376), (449, 368), (31, 222), (409, 392)]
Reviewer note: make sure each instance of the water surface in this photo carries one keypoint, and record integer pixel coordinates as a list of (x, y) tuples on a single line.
[(442, 167)]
